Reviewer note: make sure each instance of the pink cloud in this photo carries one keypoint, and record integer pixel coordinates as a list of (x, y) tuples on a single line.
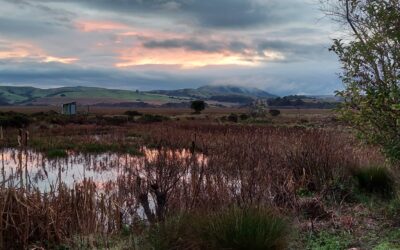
[(128, 45), (93, 26), (178, 56), (22, 50)]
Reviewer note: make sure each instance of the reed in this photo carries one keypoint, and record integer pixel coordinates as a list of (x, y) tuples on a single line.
[(191, 168)]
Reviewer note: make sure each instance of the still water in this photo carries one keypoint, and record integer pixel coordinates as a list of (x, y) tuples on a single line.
[(30, 169)]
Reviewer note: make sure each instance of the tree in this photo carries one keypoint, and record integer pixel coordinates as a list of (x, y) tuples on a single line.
[(370, 58), (274, 112), (198, 106), (233, 117)]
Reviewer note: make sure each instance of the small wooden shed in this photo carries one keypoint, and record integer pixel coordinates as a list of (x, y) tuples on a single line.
[(69, 108)]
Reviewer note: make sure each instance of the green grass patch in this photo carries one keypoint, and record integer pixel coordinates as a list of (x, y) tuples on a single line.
[(56, 153), (78, 145), (391, 241), (376, 180), (134, 151), (234, 229), (98, 148), (247, 229), (329, 241)]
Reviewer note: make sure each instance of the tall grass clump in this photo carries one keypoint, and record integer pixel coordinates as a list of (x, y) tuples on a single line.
[(233, 228), (31, 219), (251, 228), (376, 180), (176, 232)]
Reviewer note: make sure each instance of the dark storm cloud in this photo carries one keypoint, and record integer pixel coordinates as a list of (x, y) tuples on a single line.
[(207, 13), (27, 19), (231, 13), (56, 74), (209, 46), (295, 51), (192, 44)]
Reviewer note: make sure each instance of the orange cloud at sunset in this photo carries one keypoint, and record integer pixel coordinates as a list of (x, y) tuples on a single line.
[(19, 50), (148, 33), (179, 53), (190, 59)]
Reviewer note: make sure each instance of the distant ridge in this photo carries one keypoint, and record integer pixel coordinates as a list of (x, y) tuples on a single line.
[(209, 91), (11, 95)]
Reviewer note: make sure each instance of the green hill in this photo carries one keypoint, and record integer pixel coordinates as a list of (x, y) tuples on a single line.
[(20, 95), (233, 93), (225, 94)]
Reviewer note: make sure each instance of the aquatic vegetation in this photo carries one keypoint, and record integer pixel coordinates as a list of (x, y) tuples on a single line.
[(116, 182)]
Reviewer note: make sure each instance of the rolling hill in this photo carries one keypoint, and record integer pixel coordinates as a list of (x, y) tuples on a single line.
[(214, 95), (209, 91), (23, 95), (11, 95)]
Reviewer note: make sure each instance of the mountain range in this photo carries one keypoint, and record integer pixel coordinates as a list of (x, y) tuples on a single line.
[(31, 95)]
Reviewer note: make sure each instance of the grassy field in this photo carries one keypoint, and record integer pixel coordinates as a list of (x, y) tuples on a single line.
[(25, 94), (168, 111), (218, 180)]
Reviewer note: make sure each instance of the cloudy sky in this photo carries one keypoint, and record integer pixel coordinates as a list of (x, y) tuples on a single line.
[(277, 45)]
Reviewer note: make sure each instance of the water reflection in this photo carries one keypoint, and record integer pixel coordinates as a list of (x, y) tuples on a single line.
[(30, 169)]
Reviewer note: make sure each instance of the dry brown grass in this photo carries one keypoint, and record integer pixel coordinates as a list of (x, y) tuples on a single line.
[(46, 220), (230, 165)]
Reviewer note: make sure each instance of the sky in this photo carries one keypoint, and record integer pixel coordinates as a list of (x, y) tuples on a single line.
[(280, 46)]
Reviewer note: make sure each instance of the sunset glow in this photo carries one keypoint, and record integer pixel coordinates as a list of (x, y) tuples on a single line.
[(181, 58), (130, 43), (60, 59), (92, 26), (18, 51)]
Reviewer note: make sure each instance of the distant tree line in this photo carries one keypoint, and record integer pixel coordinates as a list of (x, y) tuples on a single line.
[(297, 101), (232, 98)]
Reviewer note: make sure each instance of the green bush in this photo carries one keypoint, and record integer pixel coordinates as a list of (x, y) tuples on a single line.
[(14, 120), (274, 112), (233, 118), (134, 151), (244, 117), (375, 180), (198, 106), (391, 148), (133, 113), (114, 120), (153, 118)]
